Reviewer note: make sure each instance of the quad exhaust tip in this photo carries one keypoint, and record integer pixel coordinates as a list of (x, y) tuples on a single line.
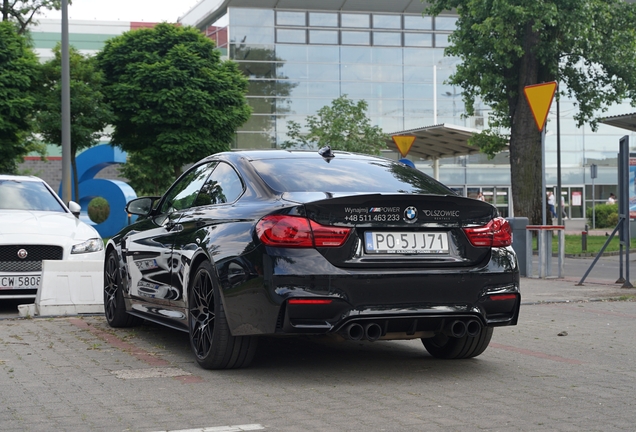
[(473, 328), (370, 331), (354, 331), (459, 329)]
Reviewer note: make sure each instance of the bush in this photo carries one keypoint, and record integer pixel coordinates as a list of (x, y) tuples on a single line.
[(606, 215), (98, 210)]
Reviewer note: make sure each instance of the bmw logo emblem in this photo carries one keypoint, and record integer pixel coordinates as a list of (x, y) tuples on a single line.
[(410, 214)]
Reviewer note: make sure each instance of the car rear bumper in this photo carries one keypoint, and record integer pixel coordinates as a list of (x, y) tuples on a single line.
[(401, 301), (401, 305)]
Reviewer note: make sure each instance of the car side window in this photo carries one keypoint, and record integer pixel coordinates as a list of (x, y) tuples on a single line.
[(223, 186), (184, 192)]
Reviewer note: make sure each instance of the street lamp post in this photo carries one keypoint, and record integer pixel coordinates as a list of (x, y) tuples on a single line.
[(66, 108)]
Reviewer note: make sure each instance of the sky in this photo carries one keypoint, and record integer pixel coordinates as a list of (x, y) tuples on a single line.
[(125, 10)]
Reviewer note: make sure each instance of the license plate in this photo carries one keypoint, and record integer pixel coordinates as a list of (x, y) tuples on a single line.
[(19, 282), (406, 242)]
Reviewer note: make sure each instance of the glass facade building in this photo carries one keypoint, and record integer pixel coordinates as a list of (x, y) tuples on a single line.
[(299, 61)]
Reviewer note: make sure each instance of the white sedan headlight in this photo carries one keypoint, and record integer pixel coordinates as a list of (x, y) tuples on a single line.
[(90, 245)]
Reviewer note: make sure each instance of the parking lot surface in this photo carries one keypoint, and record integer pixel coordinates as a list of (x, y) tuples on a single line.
[(567, 366)]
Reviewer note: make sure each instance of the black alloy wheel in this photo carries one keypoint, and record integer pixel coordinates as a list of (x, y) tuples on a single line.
[(114, 307), (447, 347), (210, 338)]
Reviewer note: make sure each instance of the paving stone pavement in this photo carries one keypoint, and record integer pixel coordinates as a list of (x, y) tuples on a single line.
[(567, 366)]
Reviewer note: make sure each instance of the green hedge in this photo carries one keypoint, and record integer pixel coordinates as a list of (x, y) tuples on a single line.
[(606, 215)]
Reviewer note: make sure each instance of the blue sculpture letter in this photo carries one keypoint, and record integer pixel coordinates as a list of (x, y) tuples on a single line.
[(116, 192)]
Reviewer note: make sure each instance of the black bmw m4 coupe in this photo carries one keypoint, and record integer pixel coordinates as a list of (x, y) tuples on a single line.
[(279, 242)]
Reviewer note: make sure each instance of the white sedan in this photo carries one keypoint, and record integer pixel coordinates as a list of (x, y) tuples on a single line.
[(35, 225)]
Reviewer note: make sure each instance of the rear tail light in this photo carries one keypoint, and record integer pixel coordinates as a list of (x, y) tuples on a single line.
[(497, 233), (299, 232), (503, 297), (329, 236), (309, 301)]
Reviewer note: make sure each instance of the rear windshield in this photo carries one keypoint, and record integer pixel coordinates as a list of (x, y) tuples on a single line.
[(345, 175), (27, 195)]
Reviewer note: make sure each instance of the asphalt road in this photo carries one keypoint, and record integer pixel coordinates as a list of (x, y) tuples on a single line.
[(606, 268), (565, 367)]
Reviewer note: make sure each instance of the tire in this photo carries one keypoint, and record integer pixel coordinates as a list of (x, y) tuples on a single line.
[(114, 307), (446, 347), (213, 345)]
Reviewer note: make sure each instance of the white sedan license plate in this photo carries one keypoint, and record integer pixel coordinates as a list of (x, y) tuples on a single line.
[(19, 282), (406, 242)]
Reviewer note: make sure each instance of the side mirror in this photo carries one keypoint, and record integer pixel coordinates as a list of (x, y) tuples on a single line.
[(75, 208), (140, 206)]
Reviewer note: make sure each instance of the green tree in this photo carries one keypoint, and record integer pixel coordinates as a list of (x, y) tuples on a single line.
[(173, 98), (588, 46), (90, 114), (24, 12), (344, 126), (145, 176), (18, 86)]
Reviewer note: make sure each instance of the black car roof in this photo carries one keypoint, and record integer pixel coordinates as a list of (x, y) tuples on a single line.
[(286, 154)]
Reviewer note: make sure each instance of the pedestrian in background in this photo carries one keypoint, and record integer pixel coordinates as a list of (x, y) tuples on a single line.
[(551, 203), (563, 212), (611, 199)]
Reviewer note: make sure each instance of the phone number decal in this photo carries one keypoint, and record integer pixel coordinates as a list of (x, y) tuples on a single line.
[(391, 217)]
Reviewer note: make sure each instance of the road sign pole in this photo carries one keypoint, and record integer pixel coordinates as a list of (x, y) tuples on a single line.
[(543, 185), (557, 201)]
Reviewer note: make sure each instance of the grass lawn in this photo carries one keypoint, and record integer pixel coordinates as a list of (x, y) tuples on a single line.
[(573, 244)]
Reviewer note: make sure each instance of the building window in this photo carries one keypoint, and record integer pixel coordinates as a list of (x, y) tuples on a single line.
[(445, 23), (387, 21), (251, 17), (291, 36), (323, 54), (418, 39), (418, 22), (258, 69), (356, 38), (355, 20), (325, 37), (441, 40), (252, 35), (320, 19), (291, 18), (242, 51), (387, 38)]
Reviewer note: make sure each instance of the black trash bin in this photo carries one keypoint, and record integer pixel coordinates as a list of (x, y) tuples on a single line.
[(518, 225)]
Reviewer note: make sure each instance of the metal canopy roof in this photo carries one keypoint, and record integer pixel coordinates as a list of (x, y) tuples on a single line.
[(625, 121), (439, 141), (206, 12)]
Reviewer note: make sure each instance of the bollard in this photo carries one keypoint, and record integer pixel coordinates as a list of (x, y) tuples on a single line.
[(584, 241), (544, 248)]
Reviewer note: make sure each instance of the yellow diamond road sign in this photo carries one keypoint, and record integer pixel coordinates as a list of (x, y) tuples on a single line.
[(539, 98), (403, 143)]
